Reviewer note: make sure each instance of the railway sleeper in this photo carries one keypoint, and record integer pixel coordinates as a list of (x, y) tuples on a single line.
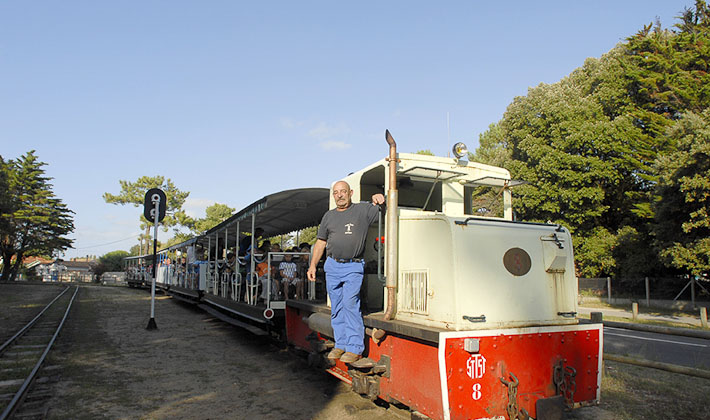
[(33, 414), (30, 404), (5, 398), (46, 380), (23, 353), (39, 395), (11, 382)]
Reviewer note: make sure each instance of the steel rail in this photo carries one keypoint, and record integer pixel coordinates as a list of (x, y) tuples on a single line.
[(25, 385), (31, 323)]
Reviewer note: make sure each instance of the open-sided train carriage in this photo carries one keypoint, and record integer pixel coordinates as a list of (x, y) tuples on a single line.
[(225, 288), (136, 268)]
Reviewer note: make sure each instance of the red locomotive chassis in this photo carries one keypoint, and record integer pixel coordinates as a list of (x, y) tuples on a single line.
[(487, 374), (543, 361)]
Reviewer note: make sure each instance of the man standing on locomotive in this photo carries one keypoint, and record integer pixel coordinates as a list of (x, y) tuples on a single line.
[(342, 233)]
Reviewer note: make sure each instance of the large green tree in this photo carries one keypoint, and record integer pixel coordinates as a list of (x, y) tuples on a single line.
[(579, 157), (588, 143), (683, 211), (134, 193), (33, 221)]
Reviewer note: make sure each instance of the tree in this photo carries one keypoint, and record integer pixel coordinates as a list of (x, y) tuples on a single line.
[(493, 148), (110, 262), (588, 144), (34, 221), (582, 160), (134, 193), (289, 240), (5, 197), (683, 212), (214, 215), (632, 255), (307, 235), (139, 249), (179, 237), (574, 156)]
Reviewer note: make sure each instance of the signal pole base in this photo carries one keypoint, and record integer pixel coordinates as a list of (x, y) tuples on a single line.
[(152, 325)]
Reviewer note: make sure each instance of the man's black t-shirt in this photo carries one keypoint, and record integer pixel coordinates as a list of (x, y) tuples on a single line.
[(345, 231)]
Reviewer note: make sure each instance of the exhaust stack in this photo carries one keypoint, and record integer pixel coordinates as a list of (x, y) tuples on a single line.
[(391, 233)]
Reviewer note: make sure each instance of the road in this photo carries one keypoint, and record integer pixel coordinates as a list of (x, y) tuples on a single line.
[(677, 350)]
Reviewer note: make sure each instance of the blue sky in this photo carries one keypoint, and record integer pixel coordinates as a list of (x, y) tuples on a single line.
[(235, 100)]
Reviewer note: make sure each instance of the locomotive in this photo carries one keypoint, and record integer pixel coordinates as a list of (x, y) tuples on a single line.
[(469, 314)]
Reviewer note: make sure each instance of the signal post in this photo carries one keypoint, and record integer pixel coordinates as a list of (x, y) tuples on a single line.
[(154, 206)]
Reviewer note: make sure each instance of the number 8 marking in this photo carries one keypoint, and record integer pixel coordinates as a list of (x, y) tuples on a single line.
[(476, 392)]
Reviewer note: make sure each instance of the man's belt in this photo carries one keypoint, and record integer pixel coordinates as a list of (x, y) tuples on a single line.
[(348, 260)]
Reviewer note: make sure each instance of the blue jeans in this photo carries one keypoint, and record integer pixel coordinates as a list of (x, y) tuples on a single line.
[(343, 281)]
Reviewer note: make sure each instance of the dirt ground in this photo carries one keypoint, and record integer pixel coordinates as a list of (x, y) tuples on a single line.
[(192, 367), (196, 367)]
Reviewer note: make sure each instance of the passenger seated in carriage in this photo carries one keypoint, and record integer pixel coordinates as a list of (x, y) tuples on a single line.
[(259, 257), (303, 260), (231, 259), (245, 242), (276, 258), (262, 270), (289, 276)]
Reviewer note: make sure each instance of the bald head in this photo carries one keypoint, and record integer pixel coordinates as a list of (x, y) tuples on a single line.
[(342, 195)]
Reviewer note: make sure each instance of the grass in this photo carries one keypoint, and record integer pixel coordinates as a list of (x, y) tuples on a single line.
[(635, 393)]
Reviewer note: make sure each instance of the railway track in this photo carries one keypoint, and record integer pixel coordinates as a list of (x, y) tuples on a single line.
[(23, 392)]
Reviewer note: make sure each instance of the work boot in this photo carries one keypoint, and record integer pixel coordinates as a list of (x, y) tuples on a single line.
[(335, 353), (349, 357)]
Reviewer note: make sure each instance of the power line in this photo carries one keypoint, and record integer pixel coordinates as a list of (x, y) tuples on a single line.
[(109, 243)]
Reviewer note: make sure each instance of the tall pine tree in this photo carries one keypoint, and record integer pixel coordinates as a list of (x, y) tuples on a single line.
[(34, 221), (134, 193)]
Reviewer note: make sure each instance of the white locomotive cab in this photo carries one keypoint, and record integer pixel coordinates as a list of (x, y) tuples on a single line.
[(463, 264)]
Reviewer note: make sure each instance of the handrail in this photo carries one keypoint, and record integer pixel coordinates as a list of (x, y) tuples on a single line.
[(557, 227)]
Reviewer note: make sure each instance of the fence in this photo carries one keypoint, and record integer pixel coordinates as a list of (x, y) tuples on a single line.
[(663, 291)]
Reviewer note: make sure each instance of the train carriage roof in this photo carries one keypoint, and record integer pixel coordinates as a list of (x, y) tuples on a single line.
[(280, 213), (182, 244)]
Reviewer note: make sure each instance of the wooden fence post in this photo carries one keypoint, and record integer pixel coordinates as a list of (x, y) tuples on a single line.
[(596, 317), (634, 310), (704, 316), (648, 294), (608, 290)]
